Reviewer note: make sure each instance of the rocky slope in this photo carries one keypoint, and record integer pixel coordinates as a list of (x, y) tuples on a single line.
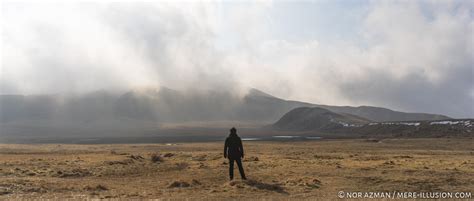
[(315, 118)]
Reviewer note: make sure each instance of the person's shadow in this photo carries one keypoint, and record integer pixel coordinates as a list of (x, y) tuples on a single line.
[(262, 186)]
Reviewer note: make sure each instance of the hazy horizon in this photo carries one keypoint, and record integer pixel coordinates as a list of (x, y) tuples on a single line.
[(412, 56)]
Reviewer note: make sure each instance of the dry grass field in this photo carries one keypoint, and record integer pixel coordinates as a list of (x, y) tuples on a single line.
[(308, 169)]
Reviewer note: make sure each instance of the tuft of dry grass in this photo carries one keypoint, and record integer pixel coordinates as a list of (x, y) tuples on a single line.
[(179, 184), (181, 165), (98, 187), (155, 158), (167, 155)]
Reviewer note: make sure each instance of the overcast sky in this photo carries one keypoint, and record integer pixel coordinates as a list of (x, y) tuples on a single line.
[(405, 55)]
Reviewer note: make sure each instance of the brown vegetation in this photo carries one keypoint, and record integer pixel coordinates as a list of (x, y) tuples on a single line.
[(197, 170)]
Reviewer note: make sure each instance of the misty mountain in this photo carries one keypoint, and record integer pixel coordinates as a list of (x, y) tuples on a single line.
[(273, 108), (166, 105), (383, 114), (315, 118)]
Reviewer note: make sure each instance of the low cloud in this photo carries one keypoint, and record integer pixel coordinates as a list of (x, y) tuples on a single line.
[(411, 56)]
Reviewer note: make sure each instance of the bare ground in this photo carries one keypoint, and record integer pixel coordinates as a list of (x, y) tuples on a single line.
[(299, 170)]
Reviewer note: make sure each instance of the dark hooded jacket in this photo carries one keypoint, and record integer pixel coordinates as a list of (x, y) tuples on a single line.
[(233, 147)]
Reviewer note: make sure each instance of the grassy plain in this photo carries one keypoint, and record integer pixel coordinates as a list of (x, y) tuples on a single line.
[(300, 170)]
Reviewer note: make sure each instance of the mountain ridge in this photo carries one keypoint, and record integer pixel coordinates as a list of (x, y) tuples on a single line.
[(169, 105), (323, 121)]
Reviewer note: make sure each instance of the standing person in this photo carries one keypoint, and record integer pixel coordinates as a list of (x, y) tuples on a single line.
[(234, 151)]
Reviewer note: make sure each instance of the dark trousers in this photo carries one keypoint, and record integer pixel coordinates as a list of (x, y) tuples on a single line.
[(231, 168)]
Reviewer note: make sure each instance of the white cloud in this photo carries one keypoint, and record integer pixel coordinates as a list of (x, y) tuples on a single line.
[(414, 55)]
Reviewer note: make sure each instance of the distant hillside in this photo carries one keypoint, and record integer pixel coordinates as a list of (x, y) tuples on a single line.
[(329, 123), (439, 128), (315, 118), (164, 105), (258, 104), (383, 114)]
